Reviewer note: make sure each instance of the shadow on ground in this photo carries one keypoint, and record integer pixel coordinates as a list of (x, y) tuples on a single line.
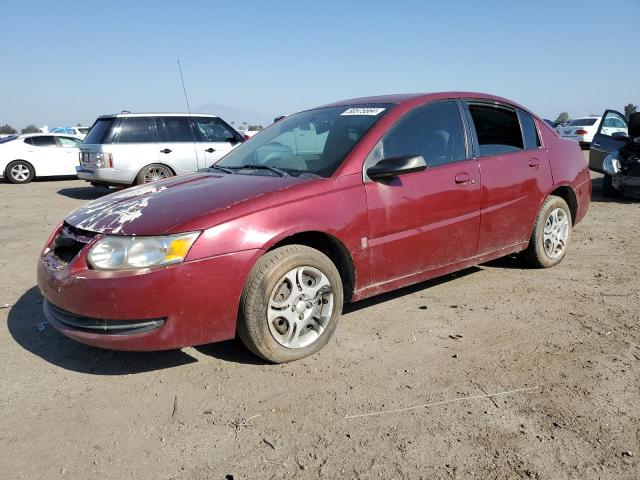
[(25, 323), (596, 194), (85, 193)]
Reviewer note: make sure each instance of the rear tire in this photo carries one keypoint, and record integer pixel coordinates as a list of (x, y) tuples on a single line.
[(153, 172), (20, 171), (551, 234), (291, 304)]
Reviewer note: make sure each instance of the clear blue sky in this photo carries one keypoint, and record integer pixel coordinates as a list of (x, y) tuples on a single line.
[(65, 62)]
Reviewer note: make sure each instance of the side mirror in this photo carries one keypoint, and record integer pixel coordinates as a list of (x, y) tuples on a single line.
[(394, 166), (620, 136)]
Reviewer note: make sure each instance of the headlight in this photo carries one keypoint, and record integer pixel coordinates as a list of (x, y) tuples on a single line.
[(127, 253), (611, 163)]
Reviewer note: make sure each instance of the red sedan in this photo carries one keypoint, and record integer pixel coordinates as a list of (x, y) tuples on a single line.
[(326, 206)]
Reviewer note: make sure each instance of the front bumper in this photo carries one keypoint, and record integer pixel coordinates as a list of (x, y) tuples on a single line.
[(191, 303), (108, 176)]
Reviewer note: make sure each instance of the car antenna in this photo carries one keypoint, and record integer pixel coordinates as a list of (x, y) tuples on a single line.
[(186, 99)]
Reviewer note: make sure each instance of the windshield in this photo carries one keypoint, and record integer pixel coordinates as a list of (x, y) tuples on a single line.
[(583, 122), (313, 142)]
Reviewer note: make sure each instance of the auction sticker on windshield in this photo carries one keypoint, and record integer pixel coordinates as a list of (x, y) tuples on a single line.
[(363, 111)]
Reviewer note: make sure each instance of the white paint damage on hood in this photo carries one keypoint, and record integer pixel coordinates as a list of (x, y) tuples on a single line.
[(113, 212)]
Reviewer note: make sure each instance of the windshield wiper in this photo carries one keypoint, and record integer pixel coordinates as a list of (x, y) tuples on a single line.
[(257, 166), (224, 169)]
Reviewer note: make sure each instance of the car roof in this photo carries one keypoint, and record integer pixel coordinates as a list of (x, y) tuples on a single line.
[(156, 114)]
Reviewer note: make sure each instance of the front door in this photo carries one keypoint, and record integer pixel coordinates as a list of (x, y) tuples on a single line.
[(424, 220), (215, 139), (612, 134)]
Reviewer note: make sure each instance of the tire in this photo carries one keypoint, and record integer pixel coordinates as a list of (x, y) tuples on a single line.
[(544, 247), (19, 171), (153, 172), (265, 329), (607, 187)]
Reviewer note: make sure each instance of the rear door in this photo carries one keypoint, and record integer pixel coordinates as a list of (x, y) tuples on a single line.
[(178, 144), (611, 135), (515, 173), (424, 220), (215, 139)]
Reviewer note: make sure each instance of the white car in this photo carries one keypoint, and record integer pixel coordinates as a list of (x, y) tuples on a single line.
[(133, 148), (24, 157), (581, 130)]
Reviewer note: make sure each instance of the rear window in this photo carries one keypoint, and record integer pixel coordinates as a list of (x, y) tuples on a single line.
[(583, 122), (137, 130), (43, 141), (497, 128), (100, 132)]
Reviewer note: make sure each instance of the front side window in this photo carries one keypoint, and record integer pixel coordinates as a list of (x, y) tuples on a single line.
[(137, 130), (314, 142), (435, 132), (211, 129), (497, 128), (41, 141), (175, 129), (529, 131)]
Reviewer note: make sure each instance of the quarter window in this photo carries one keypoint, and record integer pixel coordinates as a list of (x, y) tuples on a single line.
[(434, 131), (137, 130), (497, 128), (41, 141), (529, 131)]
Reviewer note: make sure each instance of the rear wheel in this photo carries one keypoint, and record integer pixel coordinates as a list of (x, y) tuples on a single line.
[(291, 304), (153, 172), (551, 233), (20, 171)]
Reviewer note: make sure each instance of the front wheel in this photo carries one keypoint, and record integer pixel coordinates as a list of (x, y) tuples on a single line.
[(20, 171), (291, 304), (551, 233)]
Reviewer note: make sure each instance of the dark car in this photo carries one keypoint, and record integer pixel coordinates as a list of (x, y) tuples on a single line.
[(327, 206), (615, 152)]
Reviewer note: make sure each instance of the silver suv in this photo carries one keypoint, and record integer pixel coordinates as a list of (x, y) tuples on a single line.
[(135, 148)]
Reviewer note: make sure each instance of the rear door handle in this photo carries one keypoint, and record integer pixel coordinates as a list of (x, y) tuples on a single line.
[(166, 150), (534, 163), (210, 150), (463, 178)]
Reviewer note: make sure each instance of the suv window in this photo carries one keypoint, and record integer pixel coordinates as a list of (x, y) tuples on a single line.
[(434, 131), (529, 131), (211, 129), (101, 131), (137, 130), (175, 129), (42, 141), (497, 128)]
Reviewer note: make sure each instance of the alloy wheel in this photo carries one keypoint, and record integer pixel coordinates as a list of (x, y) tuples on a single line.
[(556, 232)]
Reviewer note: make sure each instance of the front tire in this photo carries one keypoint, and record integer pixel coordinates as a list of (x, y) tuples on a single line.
[(20, 171), (152, 173), (551, 234), (291, 304)]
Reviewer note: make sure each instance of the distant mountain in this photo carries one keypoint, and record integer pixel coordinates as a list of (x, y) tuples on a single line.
[(235, 114)]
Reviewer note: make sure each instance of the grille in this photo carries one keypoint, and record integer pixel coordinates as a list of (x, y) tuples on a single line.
[(70, 241)]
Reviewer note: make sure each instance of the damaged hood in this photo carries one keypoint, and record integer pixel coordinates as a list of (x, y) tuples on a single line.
[(162, 207)]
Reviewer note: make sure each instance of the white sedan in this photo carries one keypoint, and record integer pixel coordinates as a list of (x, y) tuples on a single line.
[(24, 157), (581, 130)]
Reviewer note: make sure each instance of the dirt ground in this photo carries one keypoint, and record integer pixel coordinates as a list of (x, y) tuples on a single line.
[(569, 335)]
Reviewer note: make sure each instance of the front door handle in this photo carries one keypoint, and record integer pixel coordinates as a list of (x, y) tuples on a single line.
[(462, 178), (210, 150), (534, 163), (166, 150)]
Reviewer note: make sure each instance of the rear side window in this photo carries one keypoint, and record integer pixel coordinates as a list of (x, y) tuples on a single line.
[(69, 142), (434, 131), (101, 131), (175, 129), (497, 128), (529, 131), (210, 129), (137, 130), (43, 141)]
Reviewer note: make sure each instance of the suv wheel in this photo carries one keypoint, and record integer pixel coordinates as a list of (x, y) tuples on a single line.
[(153, 172)]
